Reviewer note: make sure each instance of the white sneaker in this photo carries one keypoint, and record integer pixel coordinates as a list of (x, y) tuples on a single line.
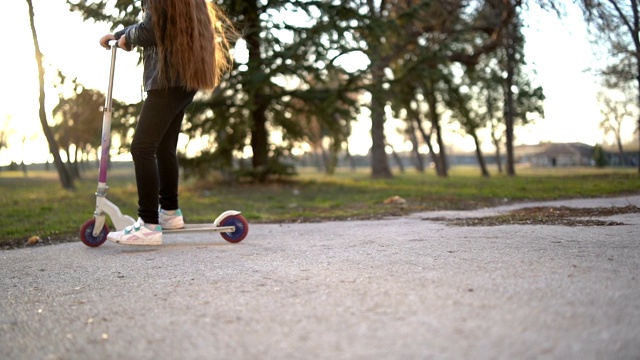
[(137, 234), (170, 221)]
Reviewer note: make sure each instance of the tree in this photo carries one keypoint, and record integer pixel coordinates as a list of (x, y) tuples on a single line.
[(404, 40), (513, 48), (616, 24), (4, 133), (288, 76), (614, 113), (411, 135), (287, 43), (460, 100), (477, 97), (79, 123), (490, 101), (66, 179), (512, 41), (599, 156), (447, 34), (520, 100), (324, 120)]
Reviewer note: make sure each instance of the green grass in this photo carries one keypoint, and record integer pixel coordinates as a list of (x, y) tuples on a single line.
[(36, 205)]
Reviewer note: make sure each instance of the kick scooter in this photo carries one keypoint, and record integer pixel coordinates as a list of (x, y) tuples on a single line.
[(232, 226)]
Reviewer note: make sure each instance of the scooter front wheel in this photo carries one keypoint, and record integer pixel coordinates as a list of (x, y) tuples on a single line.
[(87, 237), (241, 231)]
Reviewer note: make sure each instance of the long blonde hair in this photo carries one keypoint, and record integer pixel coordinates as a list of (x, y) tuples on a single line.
[(192, 42)]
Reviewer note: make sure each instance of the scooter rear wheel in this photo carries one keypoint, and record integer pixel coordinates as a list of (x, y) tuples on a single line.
[(87, 237), (241, 225)]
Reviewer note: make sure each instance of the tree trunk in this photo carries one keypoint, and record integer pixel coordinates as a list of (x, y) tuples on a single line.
[(636, 42), (639, 134), (379, 162), (23, 166), (442, 167), (72, 162), (509, 106), (259, 133), (620, 150), (333, 156), (76, 164), (318, 158), (259, 143), (416, 147), (427, 139), (498, 157), (397, 158), (65, 178), (481, 161), (496, 142), (350, 159), (325, 158)]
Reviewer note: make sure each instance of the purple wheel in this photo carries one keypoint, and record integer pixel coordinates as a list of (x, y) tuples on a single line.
[(87, 237), (241, 225)]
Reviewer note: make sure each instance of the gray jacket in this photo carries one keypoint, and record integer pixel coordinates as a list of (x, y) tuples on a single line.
[(142, 34)]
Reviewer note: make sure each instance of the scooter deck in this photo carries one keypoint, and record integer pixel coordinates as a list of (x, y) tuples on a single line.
[(200, 228)]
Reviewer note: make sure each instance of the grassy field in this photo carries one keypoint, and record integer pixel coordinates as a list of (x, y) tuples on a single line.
[(36, 205)]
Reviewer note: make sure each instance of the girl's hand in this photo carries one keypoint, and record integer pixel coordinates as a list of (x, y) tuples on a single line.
[(122, 43), (104, 41)]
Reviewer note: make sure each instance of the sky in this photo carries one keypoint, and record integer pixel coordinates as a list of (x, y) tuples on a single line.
[(558, 51)]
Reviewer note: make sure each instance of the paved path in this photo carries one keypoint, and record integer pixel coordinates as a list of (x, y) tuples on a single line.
[(402, 288)]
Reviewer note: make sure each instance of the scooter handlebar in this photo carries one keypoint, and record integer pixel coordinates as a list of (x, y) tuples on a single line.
[(116, 44)]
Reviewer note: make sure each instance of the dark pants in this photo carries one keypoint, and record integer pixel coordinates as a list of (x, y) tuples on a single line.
[(154, 150)]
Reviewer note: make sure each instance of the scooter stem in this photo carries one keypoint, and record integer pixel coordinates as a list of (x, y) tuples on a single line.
[(106, 120)]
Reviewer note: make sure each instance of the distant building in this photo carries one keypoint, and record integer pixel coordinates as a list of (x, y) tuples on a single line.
[(629, 156), (555, 154)]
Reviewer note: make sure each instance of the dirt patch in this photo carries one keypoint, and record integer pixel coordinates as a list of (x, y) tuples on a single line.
[(547, 215)]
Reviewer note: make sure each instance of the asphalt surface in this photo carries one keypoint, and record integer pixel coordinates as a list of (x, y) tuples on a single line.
[(402, 288)]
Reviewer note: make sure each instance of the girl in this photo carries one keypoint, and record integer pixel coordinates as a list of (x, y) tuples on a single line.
[(184, 50)]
